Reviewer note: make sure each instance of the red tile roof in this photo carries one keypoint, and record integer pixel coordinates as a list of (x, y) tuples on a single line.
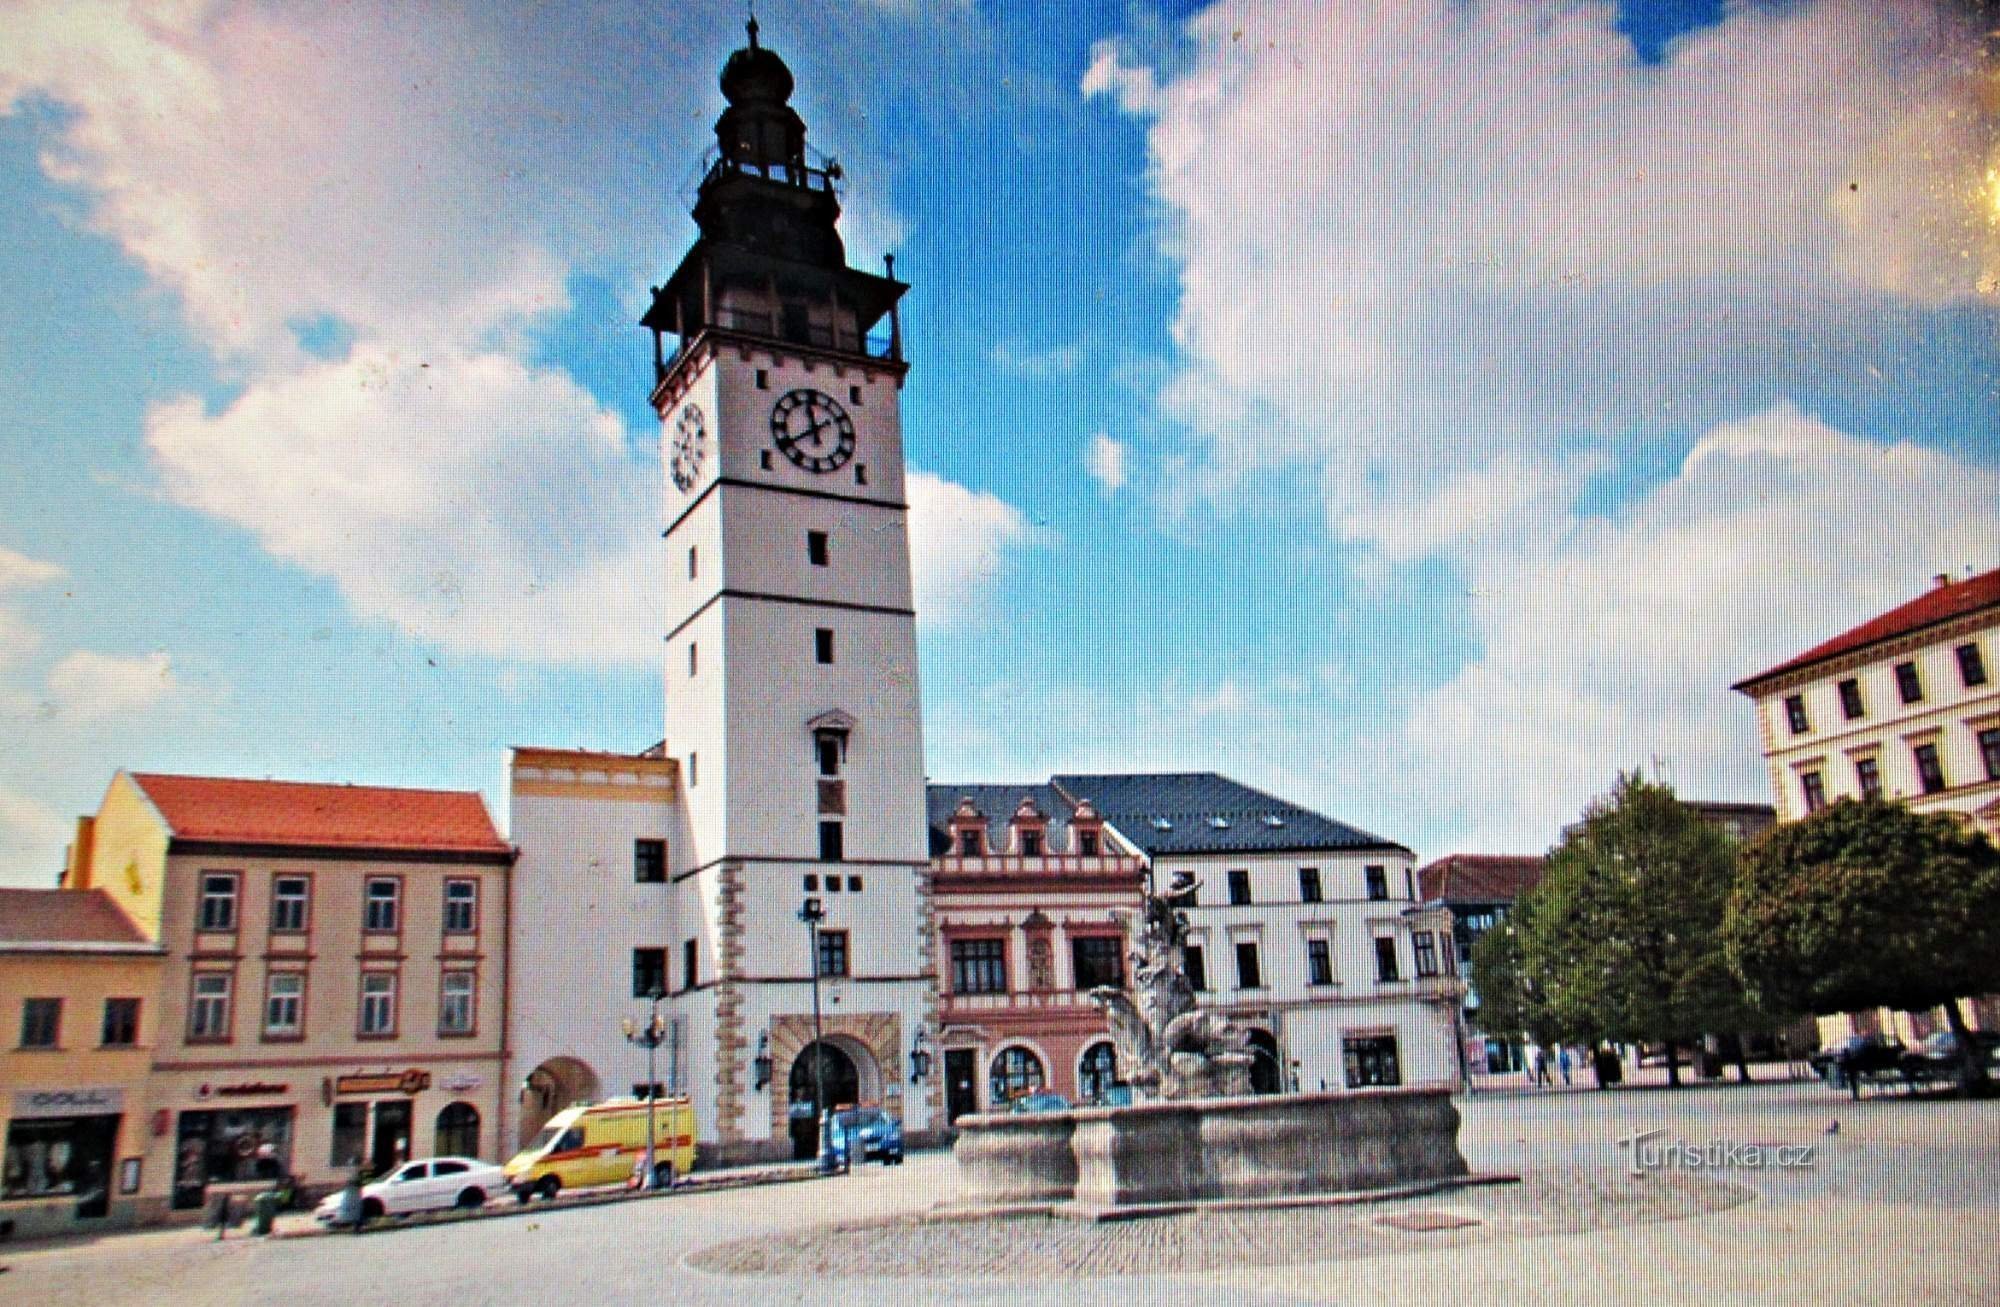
[(1478, 878), (1941, 603), (64, 916), (218, 809)]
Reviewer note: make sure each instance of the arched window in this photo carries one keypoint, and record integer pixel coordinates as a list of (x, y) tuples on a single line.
[(1098, 1072), (1015, 1072), (458, 1131)]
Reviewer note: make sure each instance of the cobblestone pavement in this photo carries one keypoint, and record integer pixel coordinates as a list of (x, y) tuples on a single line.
[(1902, 1206)]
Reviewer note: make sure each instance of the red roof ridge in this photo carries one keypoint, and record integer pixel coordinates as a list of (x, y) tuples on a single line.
[(312, 785), (321, 814), (1945, 601)]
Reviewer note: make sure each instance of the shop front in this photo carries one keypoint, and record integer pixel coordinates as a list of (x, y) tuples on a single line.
[(61, 1159), (230, 1145)]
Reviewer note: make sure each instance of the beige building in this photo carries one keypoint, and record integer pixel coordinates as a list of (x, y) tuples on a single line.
[(1905, 707), (332, 989), (78, 1024)]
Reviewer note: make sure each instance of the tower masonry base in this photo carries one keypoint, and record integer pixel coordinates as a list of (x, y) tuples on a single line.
[(1155, 1158)]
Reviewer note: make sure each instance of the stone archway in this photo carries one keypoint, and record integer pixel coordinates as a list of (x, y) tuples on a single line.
[(557, 1083), (839, 1078), (869, 1041)]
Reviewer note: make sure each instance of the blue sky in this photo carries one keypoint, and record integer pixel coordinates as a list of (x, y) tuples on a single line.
[(1422, 408)]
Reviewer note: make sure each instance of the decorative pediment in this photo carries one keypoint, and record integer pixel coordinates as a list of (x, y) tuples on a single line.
[(833, 720)]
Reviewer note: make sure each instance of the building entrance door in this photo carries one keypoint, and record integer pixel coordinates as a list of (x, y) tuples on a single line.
[(961, 1082), (392, 1137), (843, 1084)]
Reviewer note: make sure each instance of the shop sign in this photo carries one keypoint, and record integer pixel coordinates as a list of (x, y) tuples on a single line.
[(250, 1089), (412, 1081), (32, 1103), (460, 1083)]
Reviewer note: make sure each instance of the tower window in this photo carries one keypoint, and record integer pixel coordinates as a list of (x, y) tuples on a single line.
[(764, 459), (763, 379), (816, 552), (690, 968), (860, 474), (830, 849), (1908, 683), (822, 644), (694, 770), (827, 746), (854, 394), (1239, 887), (694, 568), (1086, 843), (694, 660), (649, 862), (649, 972)]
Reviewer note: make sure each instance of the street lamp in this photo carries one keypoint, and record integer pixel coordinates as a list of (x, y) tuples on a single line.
[(812, 912), (650, 1036), (920, 1057)]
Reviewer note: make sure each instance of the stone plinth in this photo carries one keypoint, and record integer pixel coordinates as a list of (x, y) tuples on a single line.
[(1125, 1160)]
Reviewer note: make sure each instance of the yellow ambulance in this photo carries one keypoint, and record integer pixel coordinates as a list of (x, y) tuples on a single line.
[(604, 1143)]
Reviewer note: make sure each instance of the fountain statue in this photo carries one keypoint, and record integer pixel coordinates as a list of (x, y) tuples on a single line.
[(1168, 1048)]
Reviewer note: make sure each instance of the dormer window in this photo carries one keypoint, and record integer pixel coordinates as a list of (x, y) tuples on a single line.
[(1031, 844), (1086, 843), (968, 829), (971, 843), (1030, 828)]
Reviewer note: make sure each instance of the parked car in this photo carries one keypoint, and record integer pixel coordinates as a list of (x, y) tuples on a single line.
[(1039, 1103), (868, 1133), (1937, 1057), (1858, 1055), (427, 1185)]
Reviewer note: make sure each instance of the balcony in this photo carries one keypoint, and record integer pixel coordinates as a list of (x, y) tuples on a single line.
[(1047, 865), (1047, 1000)]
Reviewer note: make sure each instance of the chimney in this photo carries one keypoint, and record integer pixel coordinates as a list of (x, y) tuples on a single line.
[(1941, 580)]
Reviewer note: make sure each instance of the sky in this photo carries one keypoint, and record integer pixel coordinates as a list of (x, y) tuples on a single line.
[(1423, 409)]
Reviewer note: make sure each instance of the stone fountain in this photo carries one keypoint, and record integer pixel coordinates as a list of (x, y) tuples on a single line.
[(1197, 1134)]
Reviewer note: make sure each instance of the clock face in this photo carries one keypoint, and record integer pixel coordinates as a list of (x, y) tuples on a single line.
[(813, 430), (689, 448)]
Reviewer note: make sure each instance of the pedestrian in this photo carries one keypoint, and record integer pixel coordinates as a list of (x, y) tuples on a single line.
[(1562, 1060), (1541, 1068)]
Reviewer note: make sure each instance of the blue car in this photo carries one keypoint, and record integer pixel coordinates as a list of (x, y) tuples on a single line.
[(864, 1134)]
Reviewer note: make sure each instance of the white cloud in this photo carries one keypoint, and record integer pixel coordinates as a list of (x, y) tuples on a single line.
[(1421, 241), (959, 542), (1025, 360), (32, 838), (19, 572), (476, 502), (1614, 642), (1106, 462), (90, 686)]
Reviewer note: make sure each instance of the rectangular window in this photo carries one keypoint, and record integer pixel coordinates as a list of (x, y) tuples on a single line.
[(1971, 667), (1930, 771), (384, 898), (208, 1011), (121, 1022), (826, 751), (649, 862), (289, 898), (1989, 752), (1795, 714), (816, 548), (971, 843), (1868, 776), (1814, 786), (694, 659), (979, 966), (461, 906), (1426, 952), (830, 849), (694, 565), (1850, 699), (284, 1004), (1908, 683), (41, 1022), (1371, 1060), (832, 953), (694, 770), (1239, 888), (1378, 882), (822, 644), (1309, 888), (1409, 884), (1097, 960), (350, 1133), (854, 395), (690, 958), (1197, 968), (1086, 843), (763, 379), (833, 884), (218, 901), (1385, 959), (649, 972), (810, 884), (1031, 844), (854, 884), (1319, 962), (455, 1004), (378, 1004), (1248, 974), (860, 474)]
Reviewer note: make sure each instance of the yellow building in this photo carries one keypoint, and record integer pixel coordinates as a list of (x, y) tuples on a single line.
[(332, 994), (77, 987)]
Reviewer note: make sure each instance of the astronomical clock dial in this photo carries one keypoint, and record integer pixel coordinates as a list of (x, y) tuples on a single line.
[(689, 448), (812, 430)]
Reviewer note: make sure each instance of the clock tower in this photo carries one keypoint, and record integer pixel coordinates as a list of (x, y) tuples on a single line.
[(791, 653)]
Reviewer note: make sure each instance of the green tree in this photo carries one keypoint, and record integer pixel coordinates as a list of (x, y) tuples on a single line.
[(1621, 940), (1867, 904)]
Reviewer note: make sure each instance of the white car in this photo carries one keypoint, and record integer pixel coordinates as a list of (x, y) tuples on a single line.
[(428, 1185)]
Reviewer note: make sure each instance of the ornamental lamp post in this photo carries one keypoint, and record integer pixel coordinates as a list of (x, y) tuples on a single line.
[(650, 1037), (812, 912)]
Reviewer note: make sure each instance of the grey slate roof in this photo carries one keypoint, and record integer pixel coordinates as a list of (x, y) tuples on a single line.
[(998, 803), (1207, 813)]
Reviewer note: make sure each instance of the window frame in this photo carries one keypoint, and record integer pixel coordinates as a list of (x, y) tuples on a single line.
[(388, 998), (233, 899), (1252, 976), (469, 905), (1095, 950), (1971, 665), (1909, 682), (1930, 767), (831, 958), (1812, 786), (654, 966), (447, 1001), (134, 1009), (823, 646), (1388, 961), (1310, 888), (1868, 777), (1377, 878), (832, 842), (1196, 958), (978, 964), (690, 963), (369, 902), (819, 549), (40, 1013), (1424, 951), (1989, 751), (281, 900), (649, 861), (1239, 889), (1852, 704), (271, 1033), (198, 1003), (1319, 961)]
